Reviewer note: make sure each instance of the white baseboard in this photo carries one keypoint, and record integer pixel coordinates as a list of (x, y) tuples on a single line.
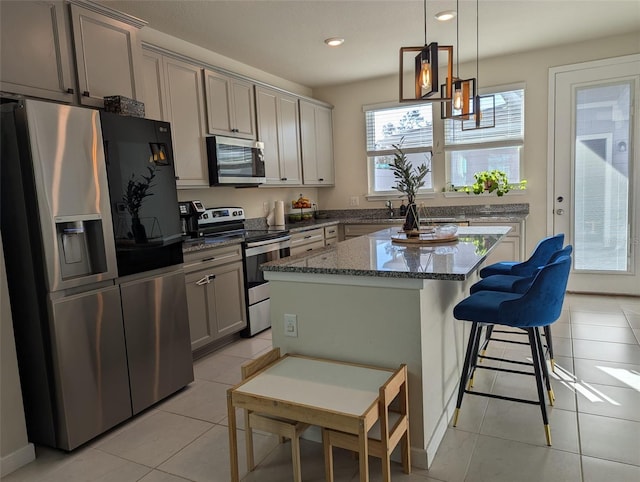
[(441, 428), (13, 461)]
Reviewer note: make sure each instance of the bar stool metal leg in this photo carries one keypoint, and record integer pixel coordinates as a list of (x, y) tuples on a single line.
[(465, 370), (549, 341), (545, 370), (534, 340)]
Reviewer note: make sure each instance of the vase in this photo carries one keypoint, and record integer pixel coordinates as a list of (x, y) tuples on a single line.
[(138, 231), (412, 221)]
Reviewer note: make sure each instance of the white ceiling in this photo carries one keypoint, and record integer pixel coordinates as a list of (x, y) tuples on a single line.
[(285, 38)]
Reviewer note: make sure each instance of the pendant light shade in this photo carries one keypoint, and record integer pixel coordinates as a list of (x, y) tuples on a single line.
[(427, 69)]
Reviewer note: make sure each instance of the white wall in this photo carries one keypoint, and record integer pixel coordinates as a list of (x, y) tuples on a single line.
[(532, 68), (15, 450)]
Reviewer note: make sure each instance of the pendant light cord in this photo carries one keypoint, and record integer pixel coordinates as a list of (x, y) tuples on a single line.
[(425, 22), (457, 39), (478, 44)]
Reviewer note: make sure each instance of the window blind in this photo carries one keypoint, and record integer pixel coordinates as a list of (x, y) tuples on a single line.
[(509, 125), (387, 126)]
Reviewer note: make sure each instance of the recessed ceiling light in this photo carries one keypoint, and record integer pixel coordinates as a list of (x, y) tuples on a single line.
[(334, 41), (446, 15)]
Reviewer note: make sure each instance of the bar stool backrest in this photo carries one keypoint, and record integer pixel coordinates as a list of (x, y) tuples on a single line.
[(544, 250), (523, 285), (541, 304)]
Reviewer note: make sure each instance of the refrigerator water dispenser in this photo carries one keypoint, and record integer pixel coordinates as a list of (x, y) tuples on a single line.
[(81, 248)]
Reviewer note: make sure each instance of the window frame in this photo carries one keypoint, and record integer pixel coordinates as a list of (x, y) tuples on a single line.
[(424, 192), (516, 142)]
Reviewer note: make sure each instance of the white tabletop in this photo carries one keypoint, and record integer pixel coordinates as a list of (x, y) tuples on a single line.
[(321, 384)]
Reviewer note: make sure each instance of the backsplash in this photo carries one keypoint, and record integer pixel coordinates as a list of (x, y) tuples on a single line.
[(434, 211)]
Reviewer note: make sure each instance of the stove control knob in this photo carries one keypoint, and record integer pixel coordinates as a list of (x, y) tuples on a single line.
[(204, 216)]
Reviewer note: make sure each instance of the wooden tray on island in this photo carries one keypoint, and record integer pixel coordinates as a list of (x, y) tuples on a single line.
[(422, 239)]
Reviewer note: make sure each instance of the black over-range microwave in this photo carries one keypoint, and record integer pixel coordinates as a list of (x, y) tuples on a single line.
[(232, 161)]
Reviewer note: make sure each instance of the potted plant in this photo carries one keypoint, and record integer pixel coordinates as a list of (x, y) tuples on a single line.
[(136, 192), (492, 181), (409, 179)]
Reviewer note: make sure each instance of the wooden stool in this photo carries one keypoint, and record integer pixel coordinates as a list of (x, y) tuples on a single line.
[(391, 428), (279, 426)]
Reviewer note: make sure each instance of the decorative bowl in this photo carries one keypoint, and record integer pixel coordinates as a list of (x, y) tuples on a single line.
[(445, 231)]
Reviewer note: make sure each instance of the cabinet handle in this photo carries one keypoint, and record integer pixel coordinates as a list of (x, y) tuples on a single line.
[(309, 249), (70, 91), (307, 237), (321, 179), (203, 281), (86, 93), (177, 178), (283, 178), (208, 259)]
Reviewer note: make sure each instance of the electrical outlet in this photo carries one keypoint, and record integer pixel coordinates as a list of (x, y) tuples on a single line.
[(291, 325), (354, 201)]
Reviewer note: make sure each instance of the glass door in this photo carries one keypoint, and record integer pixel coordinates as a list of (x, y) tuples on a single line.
[(596, 172)]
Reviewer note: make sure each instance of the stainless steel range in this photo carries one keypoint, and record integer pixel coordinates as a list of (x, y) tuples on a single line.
[(259, 246)]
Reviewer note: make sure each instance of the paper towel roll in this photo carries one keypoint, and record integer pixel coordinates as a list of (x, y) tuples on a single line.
[(279, 214)]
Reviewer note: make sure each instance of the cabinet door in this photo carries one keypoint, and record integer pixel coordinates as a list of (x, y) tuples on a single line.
[(266, 112), (152, 72), (34, 50), (107, 52), (216, 301), (217, 90), (244, 109), (230, 106), (184, 106), (289, 137), (230, 300), (316, 139)]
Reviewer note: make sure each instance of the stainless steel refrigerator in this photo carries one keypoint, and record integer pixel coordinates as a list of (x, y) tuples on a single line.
[(75, 355)]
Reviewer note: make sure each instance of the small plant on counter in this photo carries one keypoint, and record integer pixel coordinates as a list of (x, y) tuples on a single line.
[(409, 178), (494, 181)]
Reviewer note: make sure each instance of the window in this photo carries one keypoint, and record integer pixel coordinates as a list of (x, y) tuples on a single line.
[(388, 126), (500, 147)]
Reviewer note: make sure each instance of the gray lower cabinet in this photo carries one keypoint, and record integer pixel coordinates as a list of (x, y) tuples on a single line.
[(157, 334), (215, 294)]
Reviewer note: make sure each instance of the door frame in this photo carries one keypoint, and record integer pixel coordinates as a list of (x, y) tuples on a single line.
[(554, 72)]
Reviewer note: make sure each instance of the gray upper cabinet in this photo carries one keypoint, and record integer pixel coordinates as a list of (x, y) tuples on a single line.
[(316, 137), (34, 50), (107, 51), (40, 39), (230, 105), (278, 128), (154, 85)]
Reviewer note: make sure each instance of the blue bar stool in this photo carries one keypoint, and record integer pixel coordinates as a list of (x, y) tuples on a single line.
[(540, 256), (540, 305), (516, 284)]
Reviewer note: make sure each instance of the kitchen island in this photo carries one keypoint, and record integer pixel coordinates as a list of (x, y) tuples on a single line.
[(369, 300)]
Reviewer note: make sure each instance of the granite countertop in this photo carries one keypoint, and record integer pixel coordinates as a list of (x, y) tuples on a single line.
[(194, 245), (376, 255)]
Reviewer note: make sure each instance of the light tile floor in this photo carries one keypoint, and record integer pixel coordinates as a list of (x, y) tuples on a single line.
[(595, 421)]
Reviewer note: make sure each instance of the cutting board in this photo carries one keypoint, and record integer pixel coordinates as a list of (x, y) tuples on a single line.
[(423, 239)]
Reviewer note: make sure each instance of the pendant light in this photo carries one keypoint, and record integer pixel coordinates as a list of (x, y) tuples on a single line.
[(462, 104), (426, 70), (484, 105)]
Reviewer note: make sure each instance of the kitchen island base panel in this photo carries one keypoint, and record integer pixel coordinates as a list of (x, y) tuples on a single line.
[(371, 321)]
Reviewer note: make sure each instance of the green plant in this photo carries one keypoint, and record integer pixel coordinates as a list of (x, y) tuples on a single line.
[(137, 191), (491, 181), (410, 178)]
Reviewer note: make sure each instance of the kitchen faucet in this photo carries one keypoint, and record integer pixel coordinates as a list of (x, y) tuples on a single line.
[(389, 204)]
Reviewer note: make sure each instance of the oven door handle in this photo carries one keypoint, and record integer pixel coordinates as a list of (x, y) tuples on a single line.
[(255, 244), (261, 247)]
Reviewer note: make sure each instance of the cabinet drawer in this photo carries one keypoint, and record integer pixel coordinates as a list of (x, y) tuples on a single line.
[(330, 232), (208, 258), (307, 247), (305, 237)]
